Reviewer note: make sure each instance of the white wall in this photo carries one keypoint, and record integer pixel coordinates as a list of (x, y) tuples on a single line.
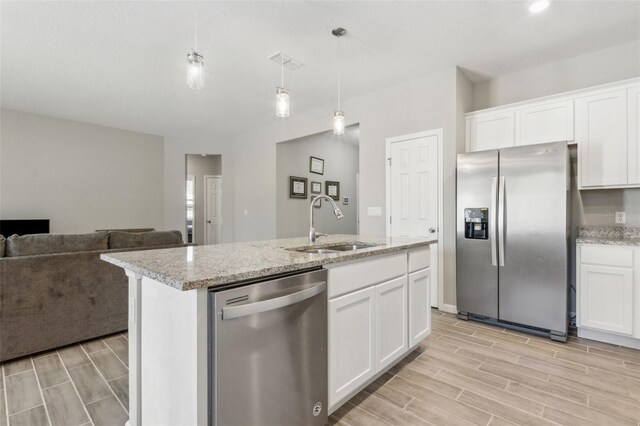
[(80, 176), (603, 66), (199, 166), (340, 155)]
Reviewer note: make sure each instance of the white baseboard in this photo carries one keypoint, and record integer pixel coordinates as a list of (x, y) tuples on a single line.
[(614, 339), (452, 309)]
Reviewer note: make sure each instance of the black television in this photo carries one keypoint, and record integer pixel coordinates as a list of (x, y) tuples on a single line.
[(24, 226)]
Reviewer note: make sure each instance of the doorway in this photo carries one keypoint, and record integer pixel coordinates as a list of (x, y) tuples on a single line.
[(203, 198), (414, 194), (212, 201)]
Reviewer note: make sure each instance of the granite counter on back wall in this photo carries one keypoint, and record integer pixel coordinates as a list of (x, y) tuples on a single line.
[(612, 235), (188, 268)]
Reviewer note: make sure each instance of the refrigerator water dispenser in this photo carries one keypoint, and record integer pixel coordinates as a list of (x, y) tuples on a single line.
[(476, 223)]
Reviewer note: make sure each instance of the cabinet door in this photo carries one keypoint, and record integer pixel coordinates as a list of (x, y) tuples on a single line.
[(351, 342), (391, 321), (605, 295), (491, 131), (601, 134), (633, 96), (419, 306), (550, 122)]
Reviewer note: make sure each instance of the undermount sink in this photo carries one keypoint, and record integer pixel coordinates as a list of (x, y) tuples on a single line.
[(336, 248)]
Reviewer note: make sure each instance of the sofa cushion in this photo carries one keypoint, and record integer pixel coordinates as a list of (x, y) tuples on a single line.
[(2, 244), (122, 240), (26, 245)]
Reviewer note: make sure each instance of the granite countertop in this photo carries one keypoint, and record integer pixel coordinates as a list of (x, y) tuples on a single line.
[(188, 268), (611, 235)]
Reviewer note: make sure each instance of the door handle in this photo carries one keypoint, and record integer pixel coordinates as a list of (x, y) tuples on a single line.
[(271, 304), (208, 221), (432, 230), (501, 230), (492, 220)]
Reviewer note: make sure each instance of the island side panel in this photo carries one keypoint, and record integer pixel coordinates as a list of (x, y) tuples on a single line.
[(173, 358), (134, 349)]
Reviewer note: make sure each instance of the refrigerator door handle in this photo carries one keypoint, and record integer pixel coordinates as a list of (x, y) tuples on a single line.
[(501, 230), (492, 221)]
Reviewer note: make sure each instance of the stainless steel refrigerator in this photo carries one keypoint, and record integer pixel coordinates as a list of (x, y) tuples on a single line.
[(512, 237)]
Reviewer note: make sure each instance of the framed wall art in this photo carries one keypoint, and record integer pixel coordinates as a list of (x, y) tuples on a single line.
[(297, 187), (332, 189), (316, 165), (316, 187)]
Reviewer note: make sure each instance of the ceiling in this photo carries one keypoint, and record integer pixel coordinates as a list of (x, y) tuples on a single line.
[(122, 64)]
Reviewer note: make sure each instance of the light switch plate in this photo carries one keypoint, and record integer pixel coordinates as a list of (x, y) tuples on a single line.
[(374, 211), (621, 217)]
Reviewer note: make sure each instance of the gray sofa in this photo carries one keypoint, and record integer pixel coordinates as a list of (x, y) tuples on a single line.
[(55, 290)]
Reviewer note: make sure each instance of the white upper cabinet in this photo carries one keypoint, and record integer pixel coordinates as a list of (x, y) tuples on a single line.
[(633, 110), (490, 131), (602, 121), (545, 122), (601, 134)]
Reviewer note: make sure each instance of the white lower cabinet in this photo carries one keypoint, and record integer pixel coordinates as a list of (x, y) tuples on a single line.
[(391, 321), (608, 293), (372, 328), (351, 342), (419, 306), (606, 298)]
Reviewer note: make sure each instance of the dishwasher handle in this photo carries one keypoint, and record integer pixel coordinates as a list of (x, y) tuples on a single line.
[(231, 312)]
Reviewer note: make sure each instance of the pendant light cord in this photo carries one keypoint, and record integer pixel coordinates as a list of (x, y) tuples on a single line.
[(339, 71), (281, 70), (195, 32)]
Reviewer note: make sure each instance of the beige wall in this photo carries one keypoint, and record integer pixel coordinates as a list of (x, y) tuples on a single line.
[(199, 166), (80, 176)]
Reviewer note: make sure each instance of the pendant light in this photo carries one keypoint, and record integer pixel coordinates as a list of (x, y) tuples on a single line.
[(282, 94), (338, 115), (195, 64)]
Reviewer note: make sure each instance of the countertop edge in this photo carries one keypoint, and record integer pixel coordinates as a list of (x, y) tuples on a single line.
[(265, 272), (608, 241)]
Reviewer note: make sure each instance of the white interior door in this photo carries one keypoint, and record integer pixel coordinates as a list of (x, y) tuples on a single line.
[(212, 209), (414, 187), (413, 192)]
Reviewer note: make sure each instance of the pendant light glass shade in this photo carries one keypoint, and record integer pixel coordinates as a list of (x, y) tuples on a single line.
[(282, 102), (338, 122), (195, 70)]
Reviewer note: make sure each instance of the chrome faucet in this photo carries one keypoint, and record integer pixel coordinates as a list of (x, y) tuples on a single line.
[(336, 211)]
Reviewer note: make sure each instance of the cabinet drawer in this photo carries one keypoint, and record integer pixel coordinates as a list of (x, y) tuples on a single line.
[(354, 276), (607, 255), (419, 259)]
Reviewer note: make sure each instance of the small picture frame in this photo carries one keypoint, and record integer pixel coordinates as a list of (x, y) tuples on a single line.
[(297, 187), (316, 187), (332, 189), (318, 204), (316, 165)]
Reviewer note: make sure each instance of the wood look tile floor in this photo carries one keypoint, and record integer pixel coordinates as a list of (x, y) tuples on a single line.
[(469, 373), (83, 384), (465, 373)]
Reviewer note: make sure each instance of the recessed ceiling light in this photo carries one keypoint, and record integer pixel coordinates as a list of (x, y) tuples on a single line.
[(536, 6)]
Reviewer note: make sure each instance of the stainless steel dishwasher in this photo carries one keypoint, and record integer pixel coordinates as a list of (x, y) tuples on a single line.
[(268, 352)]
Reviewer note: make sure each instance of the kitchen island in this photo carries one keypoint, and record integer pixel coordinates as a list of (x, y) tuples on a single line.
[(169, 313)]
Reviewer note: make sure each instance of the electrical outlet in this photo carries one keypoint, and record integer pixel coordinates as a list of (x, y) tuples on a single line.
[(621, 217)]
